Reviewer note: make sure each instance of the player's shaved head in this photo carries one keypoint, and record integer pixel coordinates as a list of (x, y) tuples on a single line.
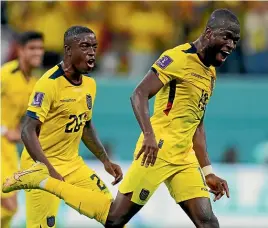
[(73, 32), (223, 19), (80, 46), (220, 37)]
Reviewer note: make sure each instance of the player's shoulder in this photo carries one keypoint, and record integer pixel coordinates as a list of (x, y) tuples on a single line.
[(50, 79), (89, 80), (10, 67), (179, 51), (189, 51), (52, 75), (173, 58)]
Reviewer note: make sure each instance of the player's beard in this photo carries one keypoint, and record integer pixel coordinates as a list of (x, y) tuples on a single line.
[(211, 53), (80, 71)]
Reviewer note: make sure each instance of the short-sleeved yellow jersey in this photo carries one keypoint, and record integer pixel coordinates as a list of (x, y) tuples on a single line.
[(63, 108), (180, 105), (15, 93)]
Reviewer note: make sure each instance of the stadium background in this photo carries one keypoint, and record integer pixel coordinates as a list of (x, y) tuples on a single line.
[(131, 35)]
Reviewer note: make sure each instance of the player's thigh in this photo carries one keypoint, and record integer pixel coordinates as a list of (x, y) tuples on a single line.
[(200, 212), (137, 187), (121, 210), (142, 182), (85, 177), (135, 190), (187, 183), (41, 209)]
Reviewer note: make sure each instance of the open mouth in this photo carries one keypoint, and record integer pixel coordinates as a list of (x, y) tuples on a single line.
[(91, 63), (224, 54)]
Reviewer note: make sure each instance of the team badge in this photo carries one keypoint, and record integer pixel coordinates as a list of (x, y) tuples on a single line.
[(160, 144), (212, 85), (144, 194), (89, 101), (164, 62), (38, 99), (51, 221)]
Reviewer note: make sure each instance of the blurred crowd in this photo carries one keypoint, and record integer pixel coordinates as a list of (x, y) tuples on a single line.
[(132, 34)]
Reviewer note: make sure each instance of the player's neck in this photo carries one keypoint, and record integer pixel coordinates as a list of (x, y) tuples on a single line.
[(201, 51), (25, 68), (71, 74)]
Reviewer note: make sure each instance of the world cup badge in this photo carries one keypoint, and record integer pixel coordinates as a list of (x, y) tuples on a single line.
[(38, 99)]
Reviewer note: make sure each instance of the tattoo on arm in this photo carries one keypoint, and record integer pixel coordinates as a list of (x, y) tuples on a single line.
[(93, 143)]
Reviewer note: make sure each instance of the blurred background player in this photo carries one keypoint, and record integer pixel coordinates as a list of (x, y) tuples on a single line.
[(58, 118), (17, 83)]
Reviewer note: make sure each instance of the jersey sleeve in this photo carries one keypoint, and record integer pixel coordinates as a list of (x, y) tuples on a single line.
[(168, 65), (41, 99), (93, 89)]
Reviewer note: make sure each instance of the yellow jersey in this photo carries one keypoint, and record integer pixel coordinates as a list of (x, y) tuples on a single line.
[(180, 104), (63, 108), (15, 93)]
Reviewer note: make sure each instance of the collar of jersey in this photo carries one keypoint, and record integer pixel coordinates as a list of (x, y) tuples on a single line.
[(194, 51), (62, 71)]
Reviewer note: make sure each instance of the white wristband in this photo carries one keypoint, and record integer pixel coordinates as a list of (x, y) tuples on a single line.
[(207, 170)]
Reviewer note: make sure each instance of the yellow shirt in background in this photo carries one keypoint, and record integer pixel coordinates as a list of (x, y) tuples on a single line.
[(15, 92), (146, 27)]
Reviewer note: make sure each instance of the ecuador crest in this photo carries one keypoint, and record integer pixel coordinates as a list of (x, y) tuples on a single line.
[(89, 101)]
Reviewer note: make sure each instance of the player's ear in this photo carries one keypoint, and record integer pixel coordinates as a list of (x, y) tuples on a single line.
[(67, 49), (208, 33)]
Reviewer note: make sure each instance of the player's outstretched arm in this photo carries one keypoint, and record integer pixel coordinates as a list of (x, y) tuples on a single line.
[(147, 88), (217, 185), (29, 136), (93, 143)]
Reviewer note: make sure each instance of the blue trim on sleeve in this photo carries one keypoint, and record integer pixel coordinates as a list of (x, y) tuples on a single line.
[(58, 73), (191, 50), (32, 115), (154, 70)]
